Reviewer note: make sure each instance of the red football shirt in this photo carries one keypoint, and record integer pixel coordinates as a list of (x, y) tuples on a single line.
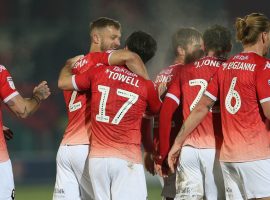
[(7, 92), (240, 84), (187, 89), (119, 99), (78, 103)]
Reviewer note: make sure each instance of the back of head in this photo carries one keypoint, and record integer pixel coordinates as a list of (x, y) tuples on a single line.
[(103, 22), (249, 28), (143, 44), (185, 36), (217, 39)]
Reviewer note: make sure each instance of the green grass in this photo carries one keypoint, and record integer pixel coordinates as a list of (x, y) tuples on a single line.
[(44, 192)]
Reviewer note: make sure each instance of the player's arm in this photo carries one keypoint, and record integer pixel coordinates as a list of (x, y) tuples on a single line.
[(194, 119), (263, 89), (165, 118), (130, 59), (153, 100), (65, 76), (23, 107)]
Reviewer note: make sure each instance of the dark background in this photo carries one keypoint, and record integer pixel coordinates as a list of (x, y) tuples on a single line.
[(37, 36)]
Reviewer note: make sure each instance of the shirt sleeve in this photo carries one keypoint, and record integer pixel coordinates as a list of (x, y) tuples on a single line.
[(263, 83), (82, 81), (7, 90), (165, 120), (153, 99)]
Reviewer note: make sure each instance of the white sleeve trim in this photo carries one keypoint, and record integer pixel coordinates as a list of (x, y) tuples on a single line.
[(10, 96), (74, 83), (110, 57), (173, 97), (210, 95), (265, 100), (147, 116)]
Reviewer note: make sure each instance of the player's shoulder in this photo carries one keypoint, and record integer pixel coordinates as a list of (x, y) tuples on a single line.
[(2, 68)]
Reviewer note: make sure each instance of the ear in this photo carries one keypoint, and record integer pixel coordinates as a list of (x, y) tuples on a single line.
[(265, 36), (95, 38), (181, 51)]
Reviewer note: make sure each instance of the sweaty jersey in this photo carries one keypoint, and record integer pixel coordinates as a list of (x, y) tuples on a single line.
[(241, 84), (187, 88), (78, 103), (7, 92), (119, 99), (166, 76)]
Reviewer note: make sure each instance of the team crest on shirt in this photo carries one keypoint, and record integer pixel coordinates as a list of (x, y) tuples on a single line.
[(11, 83), (2, 68), (267, 65)]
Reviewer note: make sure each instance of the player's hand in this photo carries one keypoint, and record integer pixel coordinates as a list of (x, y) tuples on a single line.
[(149, 163), (173, 157), (42, 91), (7, 133), (162, 88), (71, 61), (158, 170)]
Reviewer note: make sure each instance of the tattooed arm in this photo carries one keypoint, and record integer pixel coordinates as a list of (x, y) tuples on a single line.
[(23, 107), (193, 120)]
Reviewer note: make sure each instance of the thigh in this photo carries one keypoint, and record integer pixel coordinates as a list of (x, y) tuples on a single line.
[(256, 178), (7, 189), (189, 180), (101, 181), (66, 184), (213, 178), (128, 180), (78, 157), (234, 189)]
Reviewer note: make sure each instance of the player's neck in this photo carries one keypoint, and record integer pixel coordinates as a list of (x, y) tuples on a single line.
[(94, 48), (216, 54), (256, 48), (179, 60)]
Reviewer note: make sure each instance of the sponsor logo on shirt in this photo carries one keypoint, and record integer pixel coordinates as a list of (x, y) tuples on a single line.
[(2, 68), (10, 82), (267, 65)]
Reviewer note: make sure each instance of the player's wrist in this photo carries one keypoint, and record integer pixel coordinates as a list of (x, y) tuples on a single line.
[(36, 98)]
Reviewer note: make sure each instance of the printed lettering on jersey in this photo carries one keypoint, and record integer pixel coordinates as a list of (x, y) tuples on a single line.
[(123, 75), (239, 66), (241, 57), (207, 62), (267, 66), (2, 68), (80, 63), (10, 82)]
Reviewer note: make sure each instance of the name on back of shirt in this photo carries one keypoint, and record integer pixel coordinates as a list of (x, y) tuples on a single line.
[(207, 62), (239, 66), (123, 75)]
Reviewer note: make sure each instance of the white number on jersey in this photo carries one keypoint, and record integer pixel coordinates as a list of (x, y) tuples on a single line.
[(233, 94), (74, 106), (101, 116), (203, 84)]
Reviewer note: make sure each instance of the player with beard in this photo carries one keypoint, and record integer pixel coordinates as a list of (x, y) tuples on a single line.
[(72, 178), (187, 45), (242, 86), (21, 107), (119, 99), (198, 174)]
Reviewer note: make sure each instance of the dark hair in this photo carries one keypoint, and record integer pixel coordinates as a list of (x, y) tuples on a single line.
[(249, 27), (143, 44), (103, 22), (183, 37), (217, 38)]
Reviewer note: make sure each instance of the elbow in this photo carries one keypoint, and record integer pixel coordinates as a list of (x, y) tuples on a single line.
[(61, 84)]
